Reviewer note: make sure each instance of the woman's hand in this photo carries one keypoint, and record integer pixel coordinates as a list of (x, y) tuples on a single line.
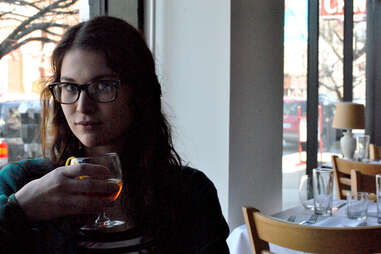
[(61, 192)]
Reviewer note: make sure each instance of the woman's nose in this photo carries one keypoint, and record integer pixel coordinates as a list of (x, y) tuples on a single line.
[(84, 103)]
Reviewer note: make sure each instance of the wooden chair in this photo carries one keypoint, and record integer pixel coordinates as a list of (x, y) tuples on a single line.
[(264, 230), (374, 152), (365, 181), (343, 178)]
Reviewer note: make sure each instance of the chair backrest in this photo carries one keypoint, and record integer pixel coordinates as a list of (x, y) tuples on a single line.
[(365, 181), (343, 180), (263, 230), (374, 152)]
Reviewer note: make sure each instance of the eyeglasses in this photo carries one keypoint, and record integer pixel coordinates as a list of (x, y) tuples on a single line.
[(99, 91)]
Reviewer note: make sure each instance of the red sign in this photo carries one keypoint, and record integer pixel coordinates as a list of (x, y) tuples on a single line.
[(336, 7)]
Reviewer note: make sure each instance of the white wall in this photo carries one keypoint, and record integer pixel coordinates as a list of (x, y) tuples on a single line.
[(192, 53), (256, 107), (221, 65)]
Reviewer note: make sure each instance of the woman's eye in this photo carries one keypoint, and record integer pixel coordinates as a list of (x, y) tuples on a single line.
[(100, 86), (103, 86), (69, 88)]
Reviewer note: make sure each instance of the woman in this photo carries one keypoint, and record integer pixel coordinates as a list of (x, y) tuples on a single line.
[(105, 97)]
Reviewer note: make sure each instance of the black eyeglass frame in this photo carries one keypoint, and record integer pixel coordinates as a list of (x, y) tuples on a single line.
[(84, 87)]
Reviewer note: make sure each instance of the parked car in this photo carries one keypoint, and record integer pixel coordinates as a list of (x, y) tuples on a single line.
[(290, 118), (291, 132), (19, 128)]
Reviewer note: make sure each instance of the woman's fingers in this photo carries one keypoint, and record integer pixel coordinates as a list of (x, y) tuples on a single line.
[(84, 170), (86, 179), (62, 192), (91, 186)]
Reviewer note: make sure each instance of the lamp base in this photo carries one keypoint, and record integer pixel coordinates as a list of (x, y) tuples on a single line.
[(348, 145)]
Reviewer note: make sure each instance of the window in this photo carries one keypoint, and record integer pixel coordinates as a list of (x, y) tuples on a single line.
[(316, 36), (24, 68)]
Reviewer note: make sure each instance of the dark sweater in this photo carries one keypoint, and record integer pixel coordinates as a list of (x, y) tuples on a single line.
[(207, 232)]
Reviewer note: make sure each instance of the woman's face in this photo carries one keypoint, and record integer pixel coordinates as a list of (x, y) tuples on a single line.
[(99, 126)]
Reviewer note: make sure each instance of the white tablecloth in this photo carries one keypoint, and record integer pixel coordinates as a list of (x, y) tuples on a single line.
[(239, 243)]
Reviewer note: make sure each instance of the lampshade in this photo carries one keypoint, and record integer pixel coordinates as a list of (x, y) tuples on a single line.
[(349, 116)]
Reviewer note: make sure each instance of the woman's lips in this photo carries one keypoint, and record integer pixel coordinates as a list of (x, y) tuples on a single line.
[(88, 125)]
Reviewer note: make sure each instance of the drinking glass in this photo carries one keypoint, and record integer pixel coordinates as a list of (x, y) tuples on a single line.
[(357, 205), (323, 190), (112, 162), (363, 147), (378, 193), (305, 190)]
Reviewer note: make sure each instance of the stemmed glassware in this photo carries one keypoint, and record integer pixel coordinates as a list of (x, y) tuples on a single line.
[(112, 162), (305, 192)]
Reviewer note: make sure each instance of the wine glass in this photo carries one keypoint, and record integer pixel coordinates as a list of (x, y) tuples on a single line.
[(304, 188), (112, 162)]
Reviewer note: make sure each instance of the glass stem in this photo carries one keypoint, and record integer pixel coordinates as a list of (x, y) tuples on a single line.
[(102, 219)]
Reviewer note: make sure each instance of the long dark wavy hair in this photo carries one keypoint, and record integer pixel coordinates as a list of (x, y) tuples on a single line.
[(153, 175)]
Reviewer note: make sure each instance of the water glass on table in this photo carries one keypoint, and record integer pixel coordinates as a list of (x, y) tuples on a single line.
[(305, 190), (362, 152), (378, 194), (357, 205), (322, 179)]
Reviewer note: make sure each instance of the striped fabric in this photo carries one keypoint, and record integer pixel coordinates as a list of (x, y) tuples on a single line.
[(97, 242)]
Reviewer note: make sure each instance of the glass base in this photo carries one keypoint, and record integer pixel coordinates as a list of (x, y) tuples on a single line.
[(308, 204), (104, 225)]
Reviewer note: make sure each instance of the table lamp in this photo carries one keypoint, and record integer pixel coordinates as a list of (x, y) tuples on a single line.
[(348, 116)]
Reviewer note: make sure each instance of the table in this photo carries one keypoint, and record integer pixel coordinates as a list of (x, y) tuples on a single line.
[(239, 243)]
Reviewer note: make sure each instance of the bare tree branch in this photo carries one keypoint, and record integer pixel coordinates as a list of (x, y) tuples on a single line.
[(52, 33), (64, 13), (12, 14), (331, 33), (46, 17), (35, 27), (22, 3), (41, 39), (39, 14), (359, 53), (331, 45), (12, 19)]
